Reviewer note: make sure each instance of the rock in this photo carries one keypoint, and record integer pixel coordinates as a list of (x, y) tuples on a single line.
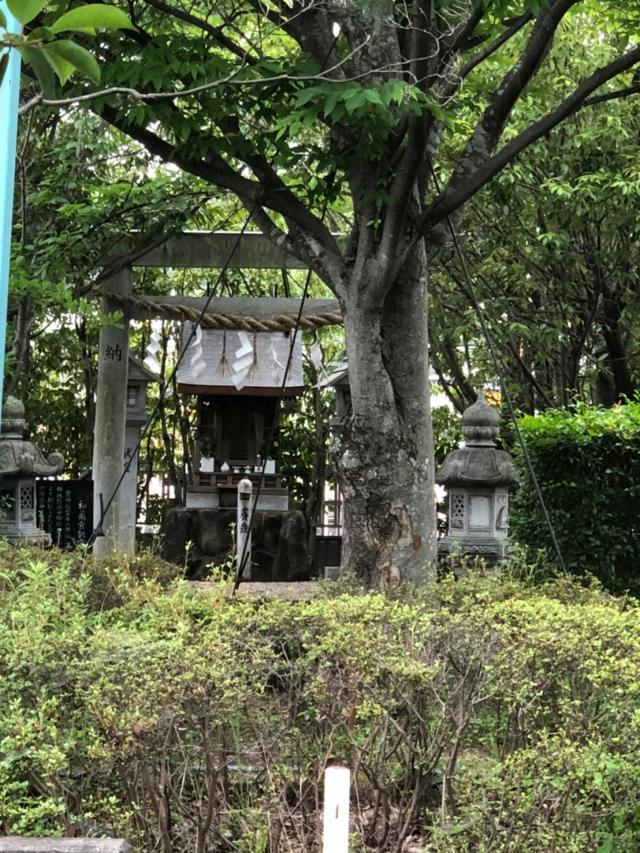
[(279, 542), (292, 560), (212, 533), (271, 526), (175, 532)]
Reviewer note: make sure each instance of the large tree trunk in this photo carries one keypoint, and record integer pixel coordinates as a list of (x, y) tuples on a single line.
[(385, 455)]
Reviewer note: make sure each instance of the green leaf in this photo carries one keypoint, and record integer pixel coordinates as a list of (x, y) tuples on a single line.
[(71, 57), (41, 68), (62, 68), (25, 10), (92, 17), (3, 20), (305, 95), (40, 34)]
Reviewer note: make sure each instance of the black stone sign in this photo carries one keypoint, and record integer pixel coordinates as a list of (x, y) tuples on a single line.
[(65, 510)]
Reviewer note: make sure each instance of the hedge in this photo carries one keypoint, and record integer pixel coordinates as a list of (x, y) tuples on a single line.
[(587, 462), (479, 715)]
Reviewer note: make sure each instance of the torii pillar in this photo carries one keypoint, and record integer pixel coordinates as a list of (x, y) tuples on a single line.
[(109, 432)]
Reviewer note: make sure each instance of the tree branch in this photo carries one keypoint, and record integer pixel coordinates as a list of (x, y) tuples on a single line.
[(463, 32), (400, 197), (217, 171), (611, 96), (215, 32), (489, 129), (495, 45), (454, 197)]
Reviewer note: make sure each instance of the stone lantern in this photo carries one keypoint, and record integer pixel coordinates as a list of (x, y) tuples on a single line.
[(478, 477), (339, 380), (20, 463)]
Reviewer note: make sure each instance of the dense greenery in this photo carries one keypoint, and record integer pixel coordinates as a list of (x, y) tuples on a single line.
[(551, 245), (587, 461), (480, 715)]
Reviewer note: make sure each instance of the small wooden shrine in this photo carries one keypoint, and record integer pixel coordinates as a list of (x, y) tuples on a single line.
[(238, 379)]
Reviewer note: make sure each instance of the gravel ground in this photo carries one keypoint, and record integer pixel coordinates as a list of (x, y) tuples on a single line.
[(295, 591)]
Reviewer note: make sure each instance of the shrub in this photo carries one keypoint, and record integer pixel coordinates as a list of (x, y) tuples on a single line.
[(480, 715), (587, 462)]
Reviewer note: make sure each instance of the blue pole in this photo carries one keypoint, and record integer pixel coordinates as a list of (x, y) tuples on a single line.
[(9, 92)]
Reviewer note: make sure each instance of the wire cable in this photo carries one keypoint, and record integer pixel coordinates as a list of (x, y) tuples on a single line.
[(496, 363), (296, 330), (256, 495)]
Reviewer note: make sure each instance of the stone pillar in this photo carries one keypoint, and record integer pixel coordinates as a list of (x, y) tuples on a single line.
[(111, 400)]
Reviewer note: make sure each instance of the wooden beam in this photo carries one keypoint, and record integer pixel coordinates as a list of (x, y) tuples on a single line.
[(140, 306), (208, 250)]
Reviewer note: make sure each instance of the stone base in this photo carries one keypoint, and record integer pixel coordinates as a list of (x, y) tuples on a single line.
[(280, 548), (25, 536), (14, 844), (489, 547), (270, 500), (331, 573)]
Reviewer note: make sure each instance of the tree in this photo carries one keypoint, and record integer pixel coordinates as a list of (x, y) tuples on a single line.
[(553, 244), (293, 106), (78, 195)]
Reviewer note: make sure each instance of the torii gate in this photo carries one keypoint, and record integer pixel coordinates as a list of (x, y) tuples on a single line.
[(191, 250)]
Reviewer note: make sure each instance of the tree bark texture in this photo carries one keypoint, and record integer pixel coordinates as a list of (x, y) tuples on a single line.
[(384, 456)]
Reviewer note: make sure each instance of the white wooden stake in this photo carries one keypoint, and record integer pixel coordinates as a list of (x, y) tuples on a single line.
[(243, 533), (337, 784)]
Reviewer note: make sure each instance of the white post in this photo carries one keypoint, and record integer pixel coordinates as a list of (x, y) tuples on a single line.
[(337, 785), (243, 532)]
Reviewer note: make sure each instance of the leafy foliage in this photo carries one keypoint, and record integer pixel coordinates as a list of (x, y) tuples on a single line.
[(471, 711), (81, 190), (551, 244), (588, 464), (47, 55)]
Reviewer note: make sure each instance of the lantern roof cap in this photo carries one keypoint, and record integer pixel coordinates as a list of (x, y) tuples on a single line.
[(138, 372), (18, 456), (481, 413), (479, 462)]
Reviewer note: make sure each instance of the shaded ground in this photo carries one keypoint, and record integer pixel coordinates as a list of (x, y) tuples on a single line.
[(286, 591)]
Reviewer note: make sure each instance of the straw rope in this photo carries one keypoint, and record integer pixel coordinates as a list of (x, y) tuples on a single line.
[(230, 322)]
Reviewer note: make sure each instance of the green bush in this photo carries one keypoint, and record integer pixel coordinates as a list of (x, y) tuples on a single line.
[(587, 462), (480, 715)]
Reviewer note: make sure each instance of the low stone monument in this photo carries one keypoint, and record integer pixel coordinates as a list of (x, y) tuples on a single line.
[(478, 477), (21, 462)]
